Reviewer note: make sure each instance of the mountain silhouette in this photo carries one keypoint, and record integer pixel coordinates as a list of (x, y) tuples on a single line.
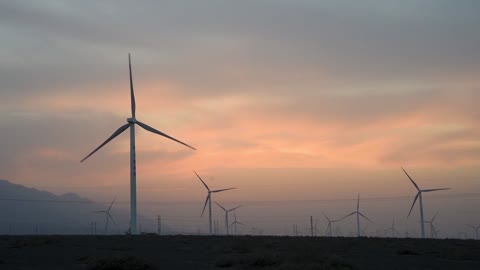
[(26, 210)]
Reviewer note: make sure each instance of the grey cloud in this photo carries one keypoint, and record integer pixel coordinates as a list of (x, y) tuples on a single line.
[(211, 46)]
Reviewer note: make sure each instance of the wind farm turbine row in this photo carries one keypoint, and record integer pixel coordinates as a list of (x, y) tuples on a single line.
[(133, 121)]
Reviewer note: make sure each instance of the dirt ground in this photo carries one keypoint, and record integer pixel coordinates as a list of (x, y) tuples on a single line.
[(234, 252)]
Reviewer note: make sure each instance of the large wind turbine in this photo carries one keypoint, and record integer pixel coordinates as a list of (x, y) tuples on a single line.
[(226, 216), (209, 201), (328, 231), (133, 174), (358, 216), (419, 196), (108, 215)]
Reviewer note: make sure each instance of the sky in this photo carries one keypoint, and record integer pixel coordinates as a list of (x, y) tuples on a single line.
[(286, 100)]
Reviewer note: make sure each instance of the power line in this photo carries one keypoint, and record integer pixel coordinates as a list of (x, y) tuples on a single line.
[(371, 199)]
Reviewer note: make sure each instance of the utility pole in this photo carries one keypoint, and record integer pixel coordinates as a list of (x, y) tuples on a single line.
[(159, 225), (311, 225)]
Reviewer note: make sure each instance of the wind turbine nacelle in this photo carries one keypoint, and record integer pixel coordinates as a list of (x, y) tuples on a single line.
[(131, 120)]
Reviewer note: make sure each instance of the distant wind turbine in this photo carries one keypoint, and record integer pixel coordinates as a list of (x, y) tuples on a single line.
[(364, 230), (133, 174), (476, 229), (235, 222), (328, 231), (392, 229), (315, 228), (419, 196), (209, 201), (433, 231), (226, 216), (108, 215), (358, 216)]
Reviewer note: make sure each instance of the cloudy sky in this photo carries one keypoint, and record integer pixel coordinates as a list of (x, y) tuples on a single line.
[(323, 98)]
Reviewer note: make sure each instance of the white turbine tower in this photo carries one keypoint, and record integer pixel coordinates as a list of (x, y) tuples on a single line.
[(209, 201), (358, 216), (328, 231), (108, 215), (476, 229), (131, 122), (419, 197), (226, 216)]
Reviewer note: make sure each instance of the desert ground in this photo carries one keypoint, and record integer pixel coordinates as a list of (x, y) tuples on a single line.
[(234, 252)]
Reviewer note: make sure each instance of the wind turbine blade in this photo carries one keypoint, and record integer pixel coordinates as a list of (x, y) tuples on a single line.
[(234, 208), (201, 180), (435, 189), (220, 190), (221, 207), (204, 206), (132, 94), (414, 201), (240, 223), (413, 182), (111, 218), (471, 226), (326, 216), (115, 134), (353, 213), (151, 129), (365, 217), (112, 204)]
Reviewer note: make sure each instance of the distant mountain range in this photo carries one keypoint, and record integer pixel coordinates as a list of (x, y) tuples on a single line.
[(26, 210)]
